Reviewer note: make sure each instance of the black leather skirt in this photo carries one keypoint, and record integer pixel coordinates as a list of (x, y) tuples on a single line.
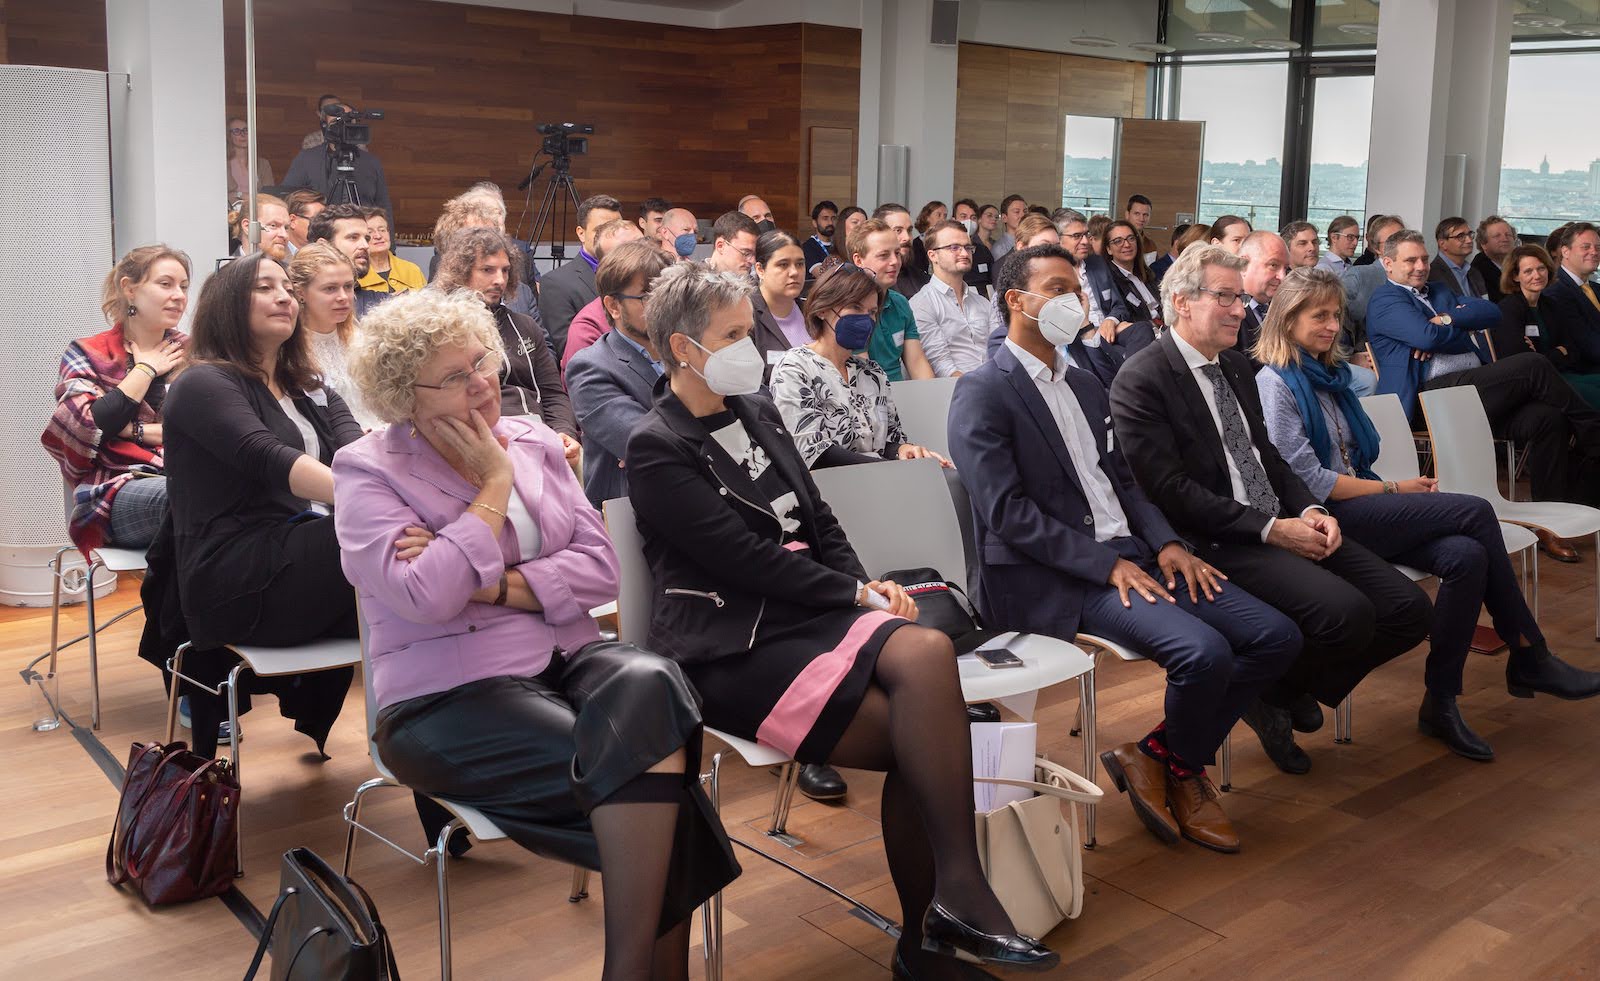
[(536, 754)]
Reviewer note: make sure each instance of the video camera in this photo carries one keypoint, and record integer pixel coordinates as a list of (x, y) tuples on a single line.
[(346, 129), (560, 141)]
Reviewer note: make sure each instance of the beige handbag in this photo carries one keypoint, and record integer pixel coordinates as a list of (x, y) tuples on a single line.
[(1030, 850)]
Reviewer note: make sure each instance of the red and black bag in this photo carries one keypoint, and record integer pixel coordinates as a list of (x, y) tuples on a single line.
[(177, 828), (944, 606)]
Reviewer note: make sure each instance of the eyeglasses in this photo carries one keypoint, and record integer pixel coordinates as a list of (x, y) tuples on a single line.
[(1122, 240), (237, 130), (273, 226), (1462, 235), (641, 297), (1352, 235), (1077, 236), (1225, 298), (958, 249), (487, 366)]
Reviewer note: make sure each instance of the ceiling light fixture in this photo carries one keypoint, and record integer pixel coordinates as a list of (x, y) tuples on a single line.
[(1218, 37), (1361, 29), (1092, 41), (1276, 44), (1538, 22), (1153, 47), (1582, 28)]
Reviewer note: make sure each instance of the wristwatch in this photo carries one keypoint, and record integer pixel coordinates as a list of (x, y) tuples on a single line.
[(1446, 320)]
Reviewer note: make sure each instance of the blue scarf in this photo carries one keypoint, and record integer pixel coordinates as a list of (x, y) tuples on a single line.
[(1308, 378)]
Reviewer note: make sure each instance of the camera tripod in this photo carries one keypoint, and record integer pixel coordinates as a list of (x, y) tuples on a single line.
[(560, 203), (343, 189)]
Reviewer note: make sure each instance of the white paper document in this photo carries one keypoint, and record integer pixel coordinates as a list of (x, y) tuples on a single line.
[(1005, 750)]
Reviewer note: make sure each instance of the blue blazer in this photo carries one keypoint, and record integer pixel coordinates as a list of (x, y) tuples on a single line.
[(1033, 527), (611, 386), (1573, 323), (1398, 323)]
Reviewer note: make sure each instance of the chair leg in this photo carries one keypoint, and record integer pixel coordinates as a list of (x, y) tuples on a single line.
[(1342, 721), (788, 781), (354, 818), (172, 692), (233, 751), (1086, 706), (1227, 761), (580, 884), (711, 911), (1597, 587), (1533, 559), (441, 855), (1077, 722), (94, 649)]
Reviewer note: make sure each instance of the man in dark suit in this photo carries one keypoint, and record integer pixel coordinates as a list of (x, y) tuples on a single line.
[(1068, 543), (1450, 267), (1424, 336), (1496, 239), (1573, 302), (1268, 263), (569, 289), (1189, 419)]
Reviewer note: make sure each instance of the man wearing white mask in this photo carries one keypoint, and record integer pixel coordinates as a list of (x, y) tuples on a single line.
[(1070, 543)]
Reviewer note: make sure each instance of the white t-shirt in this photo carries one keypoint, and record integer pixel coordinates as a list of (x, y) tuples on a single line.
[(308, 436)]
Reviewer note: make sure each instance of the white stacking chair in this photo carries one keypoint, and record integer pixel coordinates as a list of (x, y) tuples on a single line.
[(462, 816), (924, 408), (263, 662), (1464, 463)]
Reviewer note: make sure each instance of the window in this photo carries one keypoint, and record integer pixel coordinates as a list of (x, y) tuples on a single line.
[(1088, 158), (1340, 126), (1240, 172), (1549, 168)]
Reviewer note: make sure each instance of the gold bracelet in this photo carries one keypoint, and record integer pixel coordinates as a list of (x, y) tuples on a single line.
[(491, 510), (146, 367)]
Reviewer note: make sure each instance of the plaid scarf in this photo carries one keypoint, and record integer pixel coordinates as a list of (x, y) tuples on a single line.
[(96, 464)]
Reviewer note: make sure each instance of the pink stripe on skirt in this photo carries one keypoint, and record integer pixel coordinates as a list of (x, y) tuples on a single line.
[(791, 719)]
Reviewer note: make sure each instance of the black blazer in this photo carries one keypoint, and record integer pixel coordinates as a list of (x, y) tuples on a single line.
[(1176, 452), (1034, 528), (1573, 321), (611, 386), (1489, 274), (1512, 335), (769, 337), (562, 294), (1438, 272), (228, 448), (1249, 333), (701, 534), (530, 382)]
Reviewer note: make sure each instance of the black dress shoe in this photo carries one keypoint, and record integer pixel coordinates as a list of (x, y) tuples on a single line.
[(982, 712), (1440, 718), (901, 971), (1305, 714), (1273, 728), (819, 781), (943, 933), (1535, 669)]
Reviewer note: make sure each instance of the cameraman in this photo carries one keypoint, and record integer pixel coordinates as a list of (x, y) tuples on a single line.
[(317, 167)]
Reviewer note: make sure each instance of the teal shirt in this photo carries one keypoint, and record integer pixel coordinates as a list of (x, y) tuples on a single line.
[(896, 325)]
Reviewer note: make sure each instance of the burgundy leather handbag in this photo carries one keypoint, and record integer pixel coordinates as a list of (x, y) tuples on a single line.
[(177, 828)]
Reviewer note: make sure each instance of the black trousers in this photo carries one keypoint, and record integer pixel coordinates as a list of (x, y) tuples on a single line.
[(1528, 402), (1354, 610)]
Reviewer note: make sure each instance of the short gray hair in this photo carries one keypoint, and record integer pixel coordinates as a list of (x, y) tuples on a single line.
[(1066, 216), (1295, 228), (1188, 274), (1391, 245), (682, 300)]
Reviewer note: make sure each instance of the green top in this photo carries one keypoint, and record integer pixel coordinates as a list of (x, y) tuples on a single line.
[(896, 325)]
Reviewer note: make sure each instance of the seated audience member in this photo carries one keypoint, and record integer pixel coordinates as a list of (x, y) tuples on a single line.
[(319, 169), (1317, 423), (849, 220), (566, 290), (590, 322), (1230, 231), (1496, 239), (1013, 208), (1361, 281), (303, 205), (484, 260), (1133, 285), (1300, 238), (1526, 323), (750, 628), (835, 400), (387, 272), (1450, 267), (780, 324), (1137, 214), (733, 243), (250, 434), (910, 280), (652, 215), (239, 162), (272, 214), (989, 227), (477, 562), (1158, 268), (1425, 336), (1574, 307), (896, 346), (1070, 543), (344, 226), (1189, 419), (1267, 262), (610, 382), (1344, 234), (981, 274), (677, 235), (324, 284), (1075, 239), (824, 222), (1097, 230), (1369, 256), (952, 317), (105, 432), (932, 213), (482, 206), (754, 207)]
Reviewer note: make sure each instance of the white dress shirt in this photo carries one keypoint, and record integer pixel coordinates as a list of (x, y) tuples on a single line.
[(954, 329), (1197, 362), (1333, 261), (1110, 521)]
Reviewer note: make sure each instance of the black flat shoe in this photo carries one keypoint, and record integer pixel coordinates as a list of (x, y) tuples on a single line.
[(819, 781), (1305, 714), (1272, 726), (901, 971), (943, 933), (1440, 718), (1535, 669), (982, 712)]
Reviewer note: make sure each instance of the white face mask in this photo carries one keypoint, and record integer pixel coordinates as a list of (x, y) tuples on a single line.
[(1061, 318), (970, 225), (732, 370)]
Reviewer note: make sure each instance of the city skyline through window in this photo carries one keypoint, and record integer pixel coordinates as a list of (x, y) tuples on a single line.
[(1243, 109)]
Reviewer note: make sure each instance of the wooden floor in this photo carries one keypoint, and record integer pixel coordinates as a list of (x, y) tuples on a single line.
[(1392, 859)]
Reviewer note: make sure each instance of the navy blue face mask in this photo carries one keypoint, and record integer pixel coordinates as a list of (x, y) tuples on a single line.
[(684, 245), (853, 329)]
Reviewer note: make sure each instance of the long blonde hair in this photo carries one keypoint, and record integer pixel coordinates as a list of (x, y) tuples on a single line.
[(1300, 290), (305, 266)]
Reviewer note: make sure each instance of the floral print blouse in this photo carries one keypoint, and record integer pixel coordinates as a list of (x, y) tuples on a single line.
[(821, 408)]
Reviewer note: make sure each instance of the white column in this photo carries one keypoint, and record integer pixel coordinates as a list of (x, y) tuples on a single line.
[(1439, 89), (869, 129), (917, 97), (168, 156)]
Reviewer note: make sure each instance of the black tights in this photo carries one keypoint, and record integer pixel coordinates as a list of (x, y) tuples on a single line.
[(912, 724), (635, 828)]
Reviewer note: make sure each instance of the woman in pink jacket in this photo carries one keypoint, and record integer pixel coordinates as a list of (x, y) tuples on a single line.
[(477, 559)]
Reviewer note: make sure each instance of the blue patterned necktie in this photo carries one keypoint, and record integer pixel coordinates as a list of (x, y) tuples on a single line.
[(1237, 441)]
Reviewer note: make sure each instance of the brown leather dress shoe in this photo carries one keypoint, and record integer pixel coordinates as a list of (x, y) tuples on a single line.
[(1556, 548), (1144, 780), (1200, 818)]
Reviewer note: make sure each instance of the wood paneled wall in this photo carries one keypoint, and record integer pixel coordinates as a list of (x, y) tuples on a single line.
[(700, 117), (1011, 107)]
